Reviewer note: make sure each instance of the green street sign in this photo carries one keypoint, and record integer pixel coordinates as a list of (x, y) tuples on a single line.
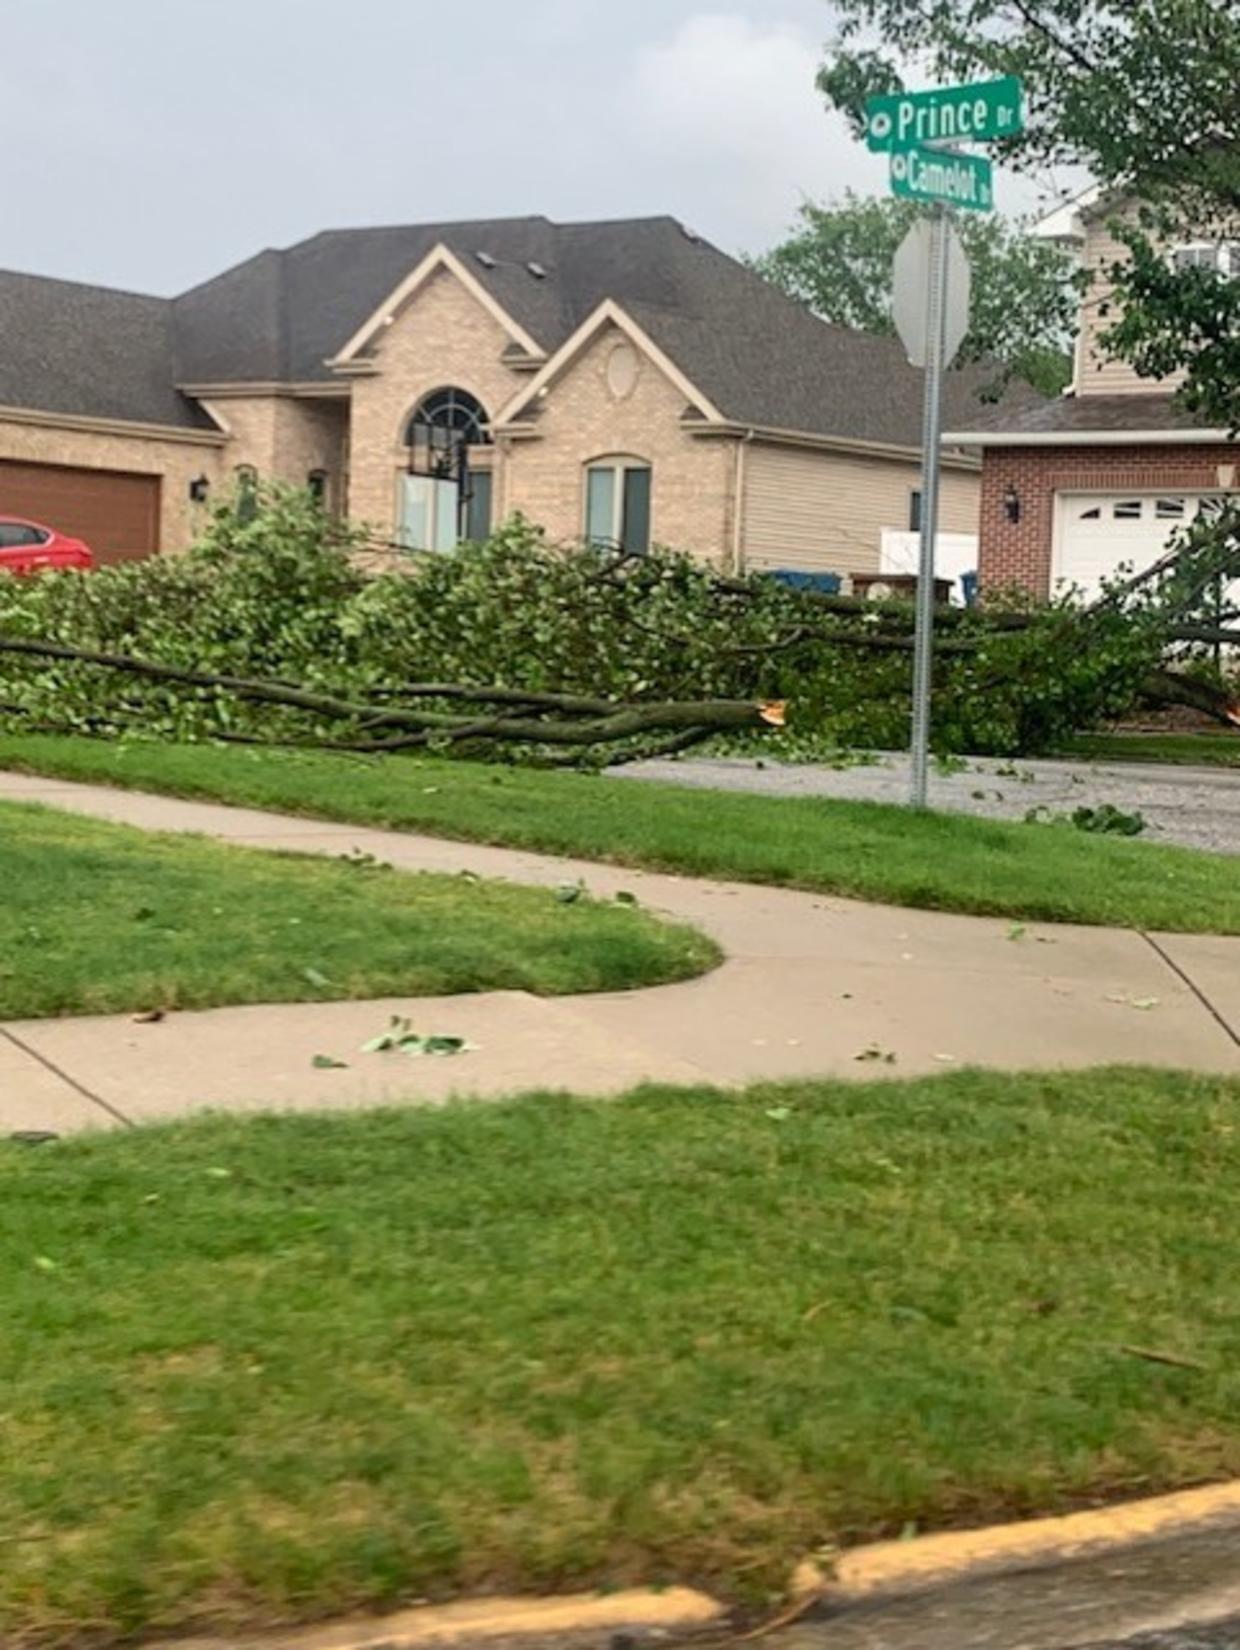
[(950, 179), (979, 113)]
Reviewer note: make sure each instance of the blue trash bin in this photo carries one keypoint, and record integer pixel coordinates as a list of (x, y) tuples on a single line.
[(823, 584), (968, 583)]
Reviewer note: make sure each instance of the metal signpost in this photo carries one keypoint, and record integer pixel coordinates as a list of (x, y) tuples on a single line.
[(931, 294)]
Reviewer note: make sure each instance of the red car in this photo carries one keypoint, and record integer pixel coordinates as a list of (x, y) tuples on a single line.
[(29, 547)]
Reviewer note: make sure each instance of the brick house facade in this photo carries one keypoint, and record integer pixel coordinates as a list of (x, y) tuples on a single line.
[(1020, 553), (1076, 488), (625, 373)]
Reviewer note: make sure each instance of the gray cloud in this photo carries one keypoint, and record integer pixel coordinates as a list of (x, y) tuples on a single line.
[(160, 140)]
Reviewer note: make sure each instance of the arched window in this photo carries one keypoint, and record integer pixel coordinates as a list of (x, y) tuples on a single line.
[(444, 496)]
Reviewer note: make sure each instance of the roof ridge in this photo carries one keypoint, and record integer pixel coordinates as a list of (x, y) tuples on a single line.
[(620, 223), (432, 223), (86, 286)]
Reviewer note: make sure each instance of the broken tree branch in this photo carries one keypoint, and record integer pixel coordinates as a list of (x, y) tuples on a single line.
[(603, 721)]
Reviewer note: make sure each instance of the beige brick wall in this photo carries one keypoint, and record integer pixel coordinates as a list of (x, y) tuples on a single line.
[(582, 419), (825, 512), (285, 439), (445, 337), (177, 462), (313, 435), (251, 426)]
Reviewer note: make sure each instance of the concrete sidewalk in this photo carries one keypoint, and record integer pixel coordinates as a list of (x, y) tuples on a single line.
[(812, 985)]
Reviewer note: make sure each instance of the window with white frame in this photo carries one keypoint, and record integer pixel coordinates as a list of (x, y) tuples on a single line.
[(1219, 257), (445, 496), (618, 504)]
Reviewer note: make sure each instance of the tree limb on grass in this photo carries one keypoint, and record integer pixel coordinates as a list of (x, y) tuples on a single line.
[(601, 721)]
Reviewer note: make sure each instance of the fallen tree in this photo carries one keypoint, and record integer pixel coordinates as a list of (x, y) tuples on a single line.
[(545, 719), (270, 633)]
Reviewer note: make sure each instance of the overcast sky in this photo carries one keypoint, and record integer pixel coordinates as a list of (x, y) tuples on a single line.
[(156, 142)]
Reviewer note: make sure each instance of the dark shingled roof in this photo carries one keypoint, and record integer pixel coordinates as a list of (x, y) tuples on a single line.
[(758, 356), (1141, 411), (89, 351)]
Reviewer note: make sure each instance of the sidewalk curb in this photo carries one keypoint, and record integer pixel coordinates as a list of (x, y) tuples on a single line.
[(589, 1619), (889, 1568)]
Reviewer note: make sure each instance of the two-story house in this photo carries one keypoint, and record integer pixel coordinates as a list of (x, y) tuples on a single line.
[(1075, 488), (620, 381)]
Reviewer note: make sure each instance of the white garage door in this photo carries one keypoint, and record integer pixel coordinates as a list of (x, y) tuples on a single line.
[(1101, 536)]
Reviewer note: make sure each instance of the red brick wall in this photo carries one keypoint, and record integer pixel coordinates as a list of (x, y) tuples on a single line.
[(1019, 553)]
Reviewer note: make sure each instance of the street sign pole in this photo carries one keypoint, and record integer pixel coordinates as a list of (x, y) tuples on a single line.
[(919, 131), (923, 650)]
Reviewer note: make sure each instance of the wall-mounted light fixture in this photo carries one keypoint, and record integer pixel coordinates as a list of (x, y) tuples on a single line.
[(1011, 503), (198, 490)]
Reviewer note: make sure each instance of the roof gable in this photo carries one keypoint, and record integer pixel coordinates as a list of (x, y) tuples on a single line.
[(439, 259), (608, 314)]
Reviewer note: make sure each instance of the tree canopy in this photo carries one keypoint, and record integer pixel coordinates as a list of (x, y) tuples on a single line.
[(839, 259), (1145, 94)]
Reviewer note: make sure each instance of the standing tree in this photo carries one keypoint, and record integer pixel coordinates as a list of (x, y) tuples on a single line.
[(839, 262), (1145, 94)]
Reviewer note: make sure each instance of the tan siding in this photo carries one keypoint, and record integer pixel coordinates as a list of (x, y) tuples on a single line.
[(1097, 374), (825, 512)]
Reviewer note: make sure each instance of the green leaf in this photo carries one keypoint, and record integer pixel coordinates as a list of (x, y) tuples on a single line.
[(444, 1045), (327, 1062), (315, 977)]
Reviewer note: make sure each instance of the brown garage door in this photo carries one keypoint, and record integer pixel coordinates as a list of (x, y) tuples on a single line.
[(116, 513)]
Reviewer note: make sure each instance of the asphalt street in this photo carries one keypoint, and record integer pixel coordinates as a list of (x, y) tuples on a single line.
[(1176, 1594)]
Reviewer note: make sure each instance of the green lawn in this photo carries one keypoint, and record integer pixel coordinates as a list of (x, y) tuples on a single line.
[(870, 851), (263, 1370), (1221, 750), (99, 918)]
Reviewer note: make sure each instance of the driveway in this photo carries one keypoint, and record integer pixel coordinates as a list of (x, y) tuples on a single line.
[(1197, 807)]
